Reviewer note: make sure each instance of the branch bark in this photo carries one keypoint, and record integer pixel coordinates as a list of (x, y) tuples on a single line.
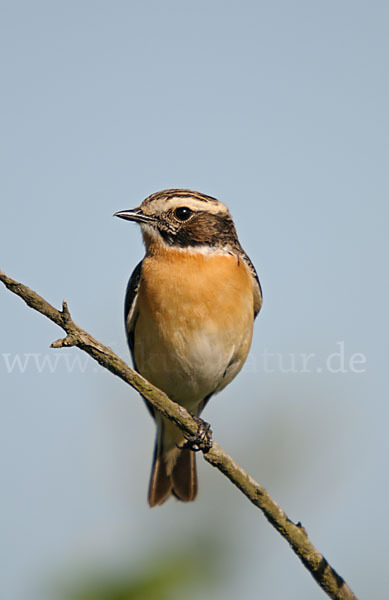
[(295, 534)]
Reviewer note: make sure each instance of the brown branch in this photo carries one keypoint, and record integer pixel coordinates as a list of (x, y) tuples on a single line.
[(295, 534)]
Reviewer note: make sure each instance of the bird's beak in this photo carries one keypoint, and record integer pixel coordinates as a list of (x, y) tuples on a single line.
[(134, 214)]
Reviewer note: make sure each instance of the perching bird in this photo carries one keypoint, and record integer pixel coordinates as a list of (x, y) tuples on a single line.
[(189, 313)]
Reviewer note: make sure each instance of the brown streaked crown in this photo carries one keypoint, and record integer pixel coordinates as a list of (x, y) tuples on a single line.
[(180, 193)]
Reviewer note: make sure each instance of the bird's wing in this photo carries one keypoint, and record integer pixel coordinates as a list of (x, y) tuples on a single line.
[(257, 285), (131, 306), (131, 315)]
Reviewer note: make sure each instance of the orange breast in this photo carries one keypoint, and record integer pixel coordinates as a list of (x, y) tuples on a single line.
[(185, 288)]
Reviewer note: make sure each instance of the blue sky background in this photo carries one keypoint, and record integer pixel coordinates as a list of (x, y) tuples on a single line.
[(280, 110)]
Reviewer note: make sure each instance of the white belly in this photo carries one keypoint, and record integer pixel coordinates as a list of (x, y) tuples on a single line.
[(190, 365)]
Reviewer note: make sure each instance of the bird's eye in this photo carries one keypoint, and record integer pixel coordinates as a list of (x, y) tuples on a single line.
[(183, 213)]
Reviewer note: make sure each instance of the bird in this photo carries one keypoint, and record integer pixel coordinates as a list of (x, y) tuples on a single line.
[(189, 312)]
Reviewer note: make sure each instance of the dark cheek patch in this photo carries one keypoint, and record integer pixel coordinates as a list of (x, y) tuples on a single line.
[(203, 229)]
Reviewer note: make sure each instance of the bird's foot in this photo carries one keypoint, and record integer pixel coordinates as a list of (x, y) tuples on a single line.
[(202, 440)]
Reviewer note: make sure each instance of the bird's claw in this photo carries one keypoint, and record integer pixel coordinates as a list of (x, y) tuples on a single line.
[(202, 440)]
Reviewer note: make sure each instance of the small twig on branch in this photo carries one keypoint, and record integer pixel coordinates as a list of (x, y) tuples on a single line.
[(295, 534)]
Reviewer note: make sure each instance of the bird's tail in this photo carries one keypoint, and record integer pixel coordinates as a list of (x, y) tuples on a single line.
[(174, 470)]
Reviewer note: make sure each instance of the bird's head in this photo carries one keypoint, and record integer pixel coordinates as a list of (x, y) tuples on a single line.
[(183, 219)]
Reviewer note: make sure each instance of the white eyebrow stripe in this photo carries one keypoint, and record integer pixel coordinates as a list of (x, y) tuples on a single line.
[(195, 204), (163, 204)]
